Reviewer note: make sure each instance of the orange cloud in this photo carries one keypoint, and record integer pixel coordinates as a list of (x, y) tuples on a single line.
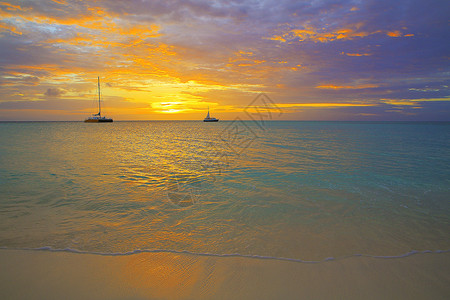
[(89, 18), (9, 6), (412, 102), (143, 31), (309, 33), (356, 54), (395, 33), (4, 27), (277, 38), (350, 32), (60, 2), (351, 87), (243, 59)]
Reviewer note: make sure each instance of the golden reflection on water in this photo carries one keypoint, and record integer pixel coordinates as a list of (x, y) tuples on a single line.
[(291, 192)]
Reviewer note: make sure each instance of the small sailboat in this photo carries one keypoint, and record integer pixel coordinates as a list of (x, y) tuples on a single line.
[(209, 119), (97, 118)]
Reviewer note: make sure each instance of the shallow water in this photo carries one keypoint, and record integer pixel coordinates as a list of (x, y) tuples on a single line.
[(299, 190)]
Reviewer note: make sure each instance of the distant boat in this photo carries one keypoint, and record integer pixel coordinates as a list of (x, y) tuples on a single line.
[(209, 119), (97, 118)]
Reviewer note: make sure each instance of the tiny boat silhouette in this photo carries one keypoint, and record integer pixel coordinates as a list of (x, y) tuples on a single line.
[(209, 119), (97, 118)]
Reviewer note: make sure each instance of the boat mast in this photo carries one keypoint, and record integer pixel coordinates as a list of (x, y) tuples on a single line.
[(99, 107)]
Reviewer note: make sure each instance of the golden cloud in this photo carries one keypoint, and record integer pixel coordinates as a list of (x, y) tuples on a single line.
[(309, 33), (4, 27), (348, 87), (356, 54), (350, 32), (394, 33), (412, 102)]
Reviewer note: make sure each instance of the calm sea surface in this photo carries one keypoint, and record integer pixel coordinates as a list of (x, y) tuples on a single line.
[(301, 190)]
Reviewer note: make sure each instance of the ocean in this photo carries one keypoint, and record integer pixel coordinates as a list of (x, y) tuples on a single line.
[(282, 190)]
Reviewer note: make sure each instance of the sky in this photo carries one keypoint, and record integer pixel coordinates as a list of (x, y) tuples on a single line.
[(374, 60)]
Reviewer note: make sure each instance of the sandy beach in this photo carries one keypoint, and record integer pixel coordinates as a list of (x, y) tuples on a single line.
[(62, 275)]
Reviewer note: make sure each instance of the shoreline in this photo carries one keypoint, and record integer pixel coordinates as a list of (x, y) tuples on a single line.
[(225, 255)]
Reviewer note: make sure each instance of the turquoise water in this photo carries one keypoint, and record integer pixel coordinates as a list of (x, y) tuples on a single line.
[(299, 190)]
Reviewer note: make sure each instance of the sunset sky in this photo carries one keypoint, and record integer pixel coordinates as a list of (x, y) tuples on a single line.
[(317, 60)]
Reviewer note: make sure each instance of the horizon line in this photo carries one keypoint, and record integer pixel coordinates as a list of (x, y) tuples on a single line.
[(250, 120)]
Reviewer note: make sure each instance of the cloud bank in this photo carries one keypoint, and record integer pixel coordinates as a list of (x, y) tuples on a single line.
[(322, 60)]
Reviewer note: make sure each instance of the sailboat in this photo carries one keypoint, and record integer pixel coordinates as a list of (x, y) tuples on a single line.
[(97, 118), (209, 119)]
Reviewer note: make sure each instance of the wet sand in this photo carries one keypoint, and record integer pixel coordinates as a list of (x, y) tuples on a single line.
[(61, 275)]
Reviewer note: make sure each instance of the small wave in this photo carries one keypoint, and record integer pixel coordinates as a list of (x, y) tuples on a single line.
[(261, 257)]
